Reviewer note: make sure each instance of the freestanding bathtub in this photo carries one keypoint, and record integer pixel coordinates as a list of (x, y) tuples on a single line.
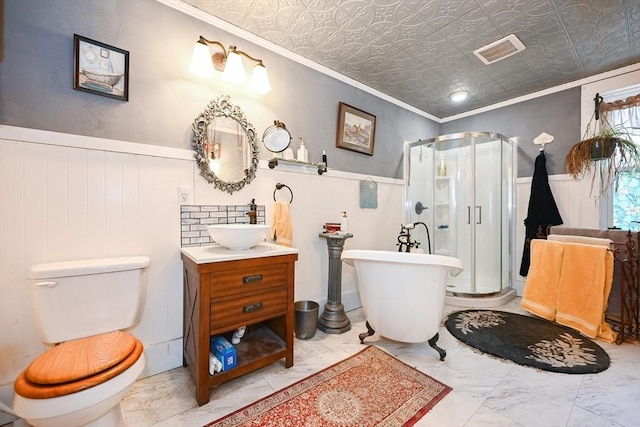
[(402, 293)]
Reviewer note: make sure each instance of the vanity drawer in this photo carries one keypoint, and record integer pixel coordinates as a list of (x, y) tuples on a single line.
[(235, 281), (248, 309)]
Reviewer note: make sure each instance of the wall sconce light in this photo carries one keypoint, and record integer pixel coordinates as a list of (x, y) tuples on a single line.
[(229, 61)]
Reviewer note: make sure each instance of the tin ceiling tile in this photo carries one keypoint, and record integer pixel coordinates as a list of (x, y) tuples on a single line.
[(389, 13), (229, 10), (305, 22), (345, 11), (410, 31), (446, 64), (539, 22), (489, 90), (634, 34), (503, 10), (476, 22), (559, 58), (342, 45), (441, 12), (289, 16)]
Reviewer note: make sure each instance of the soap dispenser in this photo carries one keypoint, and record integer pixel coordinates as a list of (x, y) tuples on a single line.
[(303, 154)]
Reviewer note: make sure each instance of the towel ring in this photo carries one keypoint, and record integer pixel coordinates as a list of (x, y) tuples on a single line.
[(279, 187)]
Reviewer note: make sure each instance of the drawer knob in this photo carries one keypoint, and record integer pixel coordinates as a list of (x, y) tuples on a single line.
[(252, 279), (252, 307)]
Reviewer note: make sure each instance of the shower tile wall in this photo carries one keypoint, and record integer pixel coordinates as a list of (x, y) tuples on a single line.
[(194, 220)]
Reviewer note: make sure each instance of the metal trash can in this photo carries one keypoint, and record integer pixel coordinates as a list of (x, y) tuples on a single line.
[(306, 319)]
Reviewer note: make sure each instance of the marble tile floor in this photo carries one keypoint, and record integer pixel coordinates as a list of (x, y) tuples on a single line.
[(486, 391)]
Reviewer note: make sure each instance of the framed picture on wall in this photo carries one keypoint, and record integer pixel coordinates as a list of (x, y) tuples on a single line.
[(356, 129), (100, 69)]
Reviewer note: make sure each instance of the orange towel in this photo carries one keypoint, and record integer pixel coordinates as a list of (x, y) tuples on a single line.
[(585, 283), (541, 288), (281, 227)]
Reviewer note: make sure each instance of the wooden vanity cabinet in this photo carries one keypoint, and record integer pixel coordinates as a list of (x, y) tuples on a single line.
[(221, 296)]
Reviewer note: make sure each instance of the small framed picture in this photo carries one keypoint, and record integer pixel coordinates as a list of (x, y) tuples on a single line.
[(100, 69), (356, 130)]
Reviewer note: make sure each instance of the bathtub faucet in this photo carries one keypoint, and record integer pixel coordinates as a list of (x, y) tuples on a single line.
[(404, 238)]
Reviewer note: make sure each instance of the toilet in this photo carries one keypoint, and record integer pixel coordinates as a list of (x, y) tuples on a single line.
[(84, 308)]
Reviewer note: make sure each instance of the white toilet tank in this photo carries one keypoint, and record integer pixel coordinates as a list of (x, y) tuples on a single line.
[(77, 299)]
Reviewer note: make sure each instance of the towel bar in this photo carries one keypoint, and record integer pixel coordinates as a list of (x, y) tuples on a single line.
[(624, 300), (279, 187)]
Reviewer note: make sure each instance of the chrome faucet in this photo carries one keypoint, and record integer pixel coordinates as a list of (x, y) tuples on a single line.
[(253, 212)]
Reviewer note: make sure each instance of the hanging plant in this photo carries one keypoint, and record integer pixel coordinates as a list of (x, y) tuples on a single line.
[(603, 152)]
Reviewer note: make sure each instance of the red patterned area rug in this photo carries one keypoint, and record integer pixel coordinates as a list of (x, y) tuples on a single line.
[(370, 388)]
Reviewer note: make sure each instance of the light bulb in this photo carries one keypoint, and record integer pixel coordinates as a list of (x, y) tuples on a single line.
[(201, 60), (234, 71), (260, 80)]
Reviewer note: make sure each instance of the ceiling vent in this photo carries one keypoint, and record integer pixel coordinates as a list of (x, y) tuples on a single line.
[(503, 48)]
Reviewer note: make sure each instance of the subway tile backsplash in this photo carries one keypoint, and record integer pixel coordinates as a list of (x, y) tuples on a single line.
[(195, 218)]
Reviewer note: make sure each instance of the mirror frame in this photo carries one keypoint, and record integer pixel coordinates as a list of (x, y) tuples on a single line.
[(277, 126), (221, 107)]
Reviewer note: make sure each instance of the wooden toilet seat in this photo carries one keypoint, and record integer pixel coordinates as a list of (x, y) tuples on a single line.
[(77, 365)]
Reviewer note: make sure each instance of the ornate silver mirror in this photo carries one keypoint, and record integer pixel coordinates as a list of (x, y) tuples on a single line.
[(225, 145)]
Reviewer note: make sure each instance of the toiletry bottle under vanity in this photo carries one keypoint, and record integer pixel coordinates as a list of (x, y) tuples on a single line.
[(303, 154)]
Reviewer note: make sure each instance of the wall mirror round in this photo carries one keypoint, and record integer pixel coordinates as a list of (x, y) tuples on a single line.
[(225, 145), (276, 138)]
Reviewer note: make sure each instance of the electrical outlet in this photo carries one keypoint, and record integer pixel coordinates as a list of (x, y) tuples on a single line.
[(184, 194)]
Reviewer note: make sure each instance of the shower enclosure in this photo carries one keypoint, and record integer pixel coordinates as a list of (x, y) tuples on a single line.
[(461, 187)]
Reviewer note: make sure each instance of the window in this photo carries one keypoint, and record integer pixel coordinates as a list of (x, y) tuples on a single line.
[(616, 85), (625, 112)]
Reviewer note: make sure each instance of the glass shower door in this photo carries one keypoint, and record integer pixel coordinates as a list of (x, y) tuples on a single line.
[(488, 215), (460, 155), (463, 184)]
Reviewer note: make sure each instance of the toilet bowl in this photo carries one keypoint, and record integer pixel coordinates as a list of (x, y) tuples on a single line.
[(81, 381), (98, 406)]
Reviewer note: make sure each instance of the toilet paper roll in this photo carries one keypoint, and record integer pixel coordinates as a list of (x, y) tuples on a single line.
[(215, 365)]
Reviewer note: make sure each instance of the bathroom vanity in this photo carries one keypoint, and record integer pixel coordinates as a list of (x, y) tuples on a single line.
[(224, 290)]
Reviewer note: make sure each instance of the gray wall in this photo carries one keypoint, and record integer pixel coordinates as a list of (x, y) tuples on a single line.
[(557, 114), (36, 84)]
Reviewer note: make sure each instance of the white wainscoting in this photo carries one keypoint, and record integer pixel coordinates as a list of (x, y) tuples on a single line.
[(61, 202)]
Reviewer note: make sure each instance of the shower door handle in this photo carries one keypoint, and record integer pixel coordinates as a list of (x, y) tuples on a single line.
[(468, 214), (479, 208)]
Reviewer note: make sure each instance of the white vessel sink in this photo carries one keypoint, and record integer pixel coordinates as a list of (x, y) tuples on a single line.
[(238, 237)]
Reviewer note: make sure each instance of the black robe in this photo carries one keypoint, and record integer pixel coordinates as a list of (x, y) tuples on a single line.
[(542, 212)]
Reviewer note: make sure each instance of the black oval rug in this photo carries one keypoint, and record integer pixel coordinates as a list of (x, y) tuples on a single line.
[(528, 341)]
